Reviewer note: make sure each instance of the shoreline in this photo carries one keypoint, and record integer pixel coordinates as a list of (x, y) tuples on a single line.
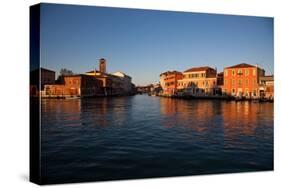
[(222, 98)]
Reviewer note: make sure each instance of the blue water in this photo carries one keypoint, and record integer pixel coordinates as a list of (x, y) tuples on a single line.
[(141, 136)]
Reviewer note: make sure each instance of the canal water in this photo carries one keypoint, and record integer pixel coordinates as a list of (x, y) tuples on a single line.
[(142, 136)]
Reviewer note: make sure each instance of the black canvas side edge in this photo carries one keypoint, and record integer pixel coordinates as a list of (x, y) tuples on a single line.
[(34, 103)]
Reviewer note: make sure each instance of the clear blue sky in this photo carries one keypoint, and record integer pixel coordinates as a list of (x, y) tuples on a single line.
[(145, 43)]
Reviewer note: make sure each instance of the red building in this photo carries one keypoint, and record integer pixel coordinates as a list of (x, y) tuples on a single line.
[(242, 80)]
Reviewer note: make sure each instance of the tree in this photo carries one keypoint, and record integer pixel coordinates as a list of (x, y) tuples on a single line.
[(65, 72)]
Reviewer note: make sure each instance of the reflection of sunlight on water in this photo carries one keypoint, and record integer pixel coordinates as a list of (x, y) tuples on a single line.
[(238, 118), (134, 133), (102, 112), (246, 108), (190, 114), (236, 123), (64, 112)]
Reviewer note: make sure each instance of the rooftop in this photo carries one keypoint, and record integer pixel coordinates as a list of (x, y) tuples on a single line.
[(241, 65), (119, 72), (94, 71), (196, 69), (267, 78), (170, 72)]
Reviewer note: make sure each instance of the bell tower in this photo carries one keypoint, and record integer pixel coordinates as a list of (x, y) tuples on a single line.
[(102, 64)]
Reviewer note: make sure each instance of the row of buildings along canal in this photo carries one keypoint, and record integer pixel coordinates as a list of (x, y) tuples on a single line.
[(89, 84), (239, 81)]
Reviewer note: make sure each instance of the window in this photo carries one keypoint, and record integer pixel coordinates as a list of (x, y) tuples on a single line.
[(225, 72), (247, 82), (233, 72), (254, 72), (247, 72), (239, 72), (233, 90), (233, 82), (225, 81), (239, 82)]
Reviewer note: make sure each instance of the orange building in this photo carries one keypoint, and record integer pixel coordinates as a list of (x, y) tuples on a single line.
[(242, 80), (169, 82), (75, 85)]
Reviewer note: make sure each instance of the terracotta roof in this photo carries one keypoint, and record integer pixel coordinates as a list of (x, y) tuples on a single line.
[(170, 72), (196, 69), (241, 65)]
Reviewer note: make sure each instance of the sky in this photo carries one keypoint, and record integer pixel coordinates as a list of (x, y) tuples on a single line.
[(145, 43)]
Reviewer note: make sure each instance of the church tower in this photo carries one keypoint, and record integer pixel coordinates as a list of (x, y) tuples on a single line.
[(102, 63)]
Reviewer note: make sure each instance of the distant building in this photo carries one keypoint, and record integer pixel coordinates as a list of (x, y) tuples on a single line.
[(126, 81), (242, 80), (42, 75), (155, 89), (75, 85), (169, 82), (266, 86), (104, 78), (47, 77), (220, 79), (198, 81), (112, 84)]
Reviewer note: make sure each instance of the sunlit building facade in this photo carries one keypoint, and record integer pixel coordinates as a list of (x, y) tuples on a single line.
[(169, 82), (198, 81), (242, 80)]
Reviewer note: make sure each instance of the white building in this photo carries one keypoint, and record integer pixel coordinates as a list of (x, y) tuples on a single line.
[(126, 81)]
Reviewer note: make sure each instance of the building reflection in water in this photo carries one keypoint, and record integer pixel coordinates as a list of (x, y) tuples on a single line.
[(94, 112), (191, 114), (62, 112), (91, 112), (105, 111), (230, 120)]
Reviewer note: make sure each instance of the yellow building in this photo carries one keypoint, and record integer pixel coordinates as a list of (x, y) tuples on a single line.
[(198, 81)]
